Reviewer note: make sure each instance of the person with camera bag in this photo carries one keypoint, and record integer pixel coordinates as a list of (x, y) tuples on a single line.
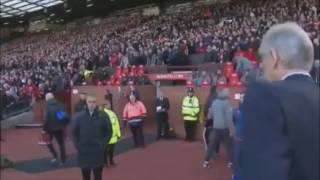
[(55, 121)]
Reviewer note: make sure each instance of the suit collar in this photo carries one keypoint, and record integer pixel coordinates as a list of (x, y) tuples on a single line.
[(296, 73), (299, 77), (94, 113)]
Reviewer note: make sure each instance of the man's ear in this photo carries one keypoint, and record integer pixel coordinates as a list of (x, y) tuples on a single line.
[(275, 58)]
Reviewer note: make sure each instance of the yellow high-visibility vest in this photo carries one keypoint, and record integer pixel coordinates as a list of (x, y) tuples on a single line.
[(190, 108), (87, 74), (116, 132)]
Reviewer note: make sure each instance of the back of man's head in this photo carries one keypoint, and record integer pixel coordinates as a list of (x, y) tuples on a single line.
[(290, 44), (49, 96)]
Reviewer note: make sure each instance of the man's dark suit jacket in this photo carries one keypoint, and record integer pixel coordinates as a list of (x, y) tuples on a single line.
[(281, 130), (164, 103)]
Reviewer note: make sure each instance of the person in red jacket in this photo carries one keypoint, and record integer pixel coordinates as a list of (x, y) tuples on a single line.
[(134, 113)]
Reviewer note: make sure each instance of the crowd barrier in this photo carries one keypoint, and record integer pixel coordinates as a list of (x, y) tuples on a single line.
[(175, 95)]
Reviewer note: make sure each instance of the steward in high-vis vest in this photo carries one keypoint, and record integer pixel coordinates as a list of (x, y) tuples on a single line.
[(116, 134), (190, 113)]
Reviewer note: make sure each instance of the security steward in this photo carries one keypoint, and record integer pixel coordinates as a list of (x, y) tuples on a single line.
[(116, 134), (190, 113)]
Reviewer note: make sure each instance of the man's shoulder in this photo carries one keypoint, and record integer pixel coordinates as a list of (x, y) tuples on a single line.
[(261, 89)]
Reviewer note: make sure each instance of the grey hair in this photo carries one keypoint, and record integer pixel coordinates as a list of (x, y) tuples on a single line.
[(292, 45), (49, 96)]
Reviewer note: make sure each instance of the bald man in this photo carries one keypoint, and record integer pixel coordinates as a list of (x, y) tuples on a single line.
[(281, 115), (55, 126)]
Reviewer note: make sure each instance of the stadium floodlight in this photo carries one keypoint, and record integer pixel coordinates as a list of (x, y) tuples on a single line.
[(89, 5)]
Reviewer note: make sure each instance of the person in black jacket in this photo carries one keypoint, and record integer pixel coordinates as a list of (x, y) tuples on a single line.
[(91, 132), (281, 115), (54, 127), (81, 104), (162, 108)]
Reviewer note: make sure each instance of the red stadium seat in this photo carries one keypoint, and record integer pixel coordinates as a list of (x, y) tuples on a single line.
[(233, 79), (239, 84), (189, 84), (117, 83), (228, 69), (99, 83), (118, 71), (221, 85), (133, 69), (141, 69), (125, 70), (205, 84)]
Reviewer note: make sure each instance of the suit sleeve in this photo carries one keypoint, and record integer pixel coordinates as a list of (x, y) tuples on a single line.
[(107, 128), (76, 132), (264, 153), (167, 104)]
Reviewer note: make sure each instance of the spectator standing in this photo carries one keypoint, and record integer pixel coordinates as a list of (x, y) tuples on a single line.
[(116, 134), (134, 114), (162, 108), (55, 122), (91, 133), (223, 128), (190, 112)]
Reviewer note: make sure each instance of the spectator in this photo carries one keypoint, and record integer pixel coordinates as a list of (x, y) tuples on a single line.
[(55, 122), (219, 77), (243, 65)]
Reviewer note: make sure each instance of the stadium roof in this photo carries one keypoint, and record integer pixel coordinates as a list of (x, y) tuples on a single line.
[(20, 12), (10, 8)]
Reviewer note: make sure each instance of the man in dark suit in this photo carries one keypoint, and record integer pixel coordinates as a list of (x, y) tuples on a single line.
[(91, 132), (81, 104), (281, 115), (162, 108)]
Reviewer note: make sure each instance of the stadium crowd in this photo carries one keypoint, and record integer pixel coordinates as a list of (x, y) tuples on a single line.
[(36, 64)]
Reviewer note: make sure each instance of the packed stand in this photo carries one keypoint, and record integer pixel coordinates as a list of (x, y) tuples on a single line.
[(221, 32)]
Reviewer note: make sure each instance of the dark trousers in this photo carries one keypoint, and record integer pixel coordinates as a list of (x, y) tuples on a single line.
[(97, 172), (236, 165), (108, 154), (59, 136), (163, 126), (137, 133), (190, 128), (217, 136), (207, 135)]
